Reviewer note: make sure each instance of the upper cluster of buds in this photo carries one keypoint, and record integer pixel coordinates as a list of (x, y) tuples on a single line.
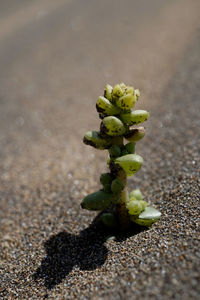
[(115, 111), (115, 108)]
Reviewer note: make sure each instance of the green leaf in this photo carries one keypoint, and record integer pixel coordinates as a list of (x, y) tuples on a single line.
[(112, 126), (134, 207), (134, 117), (137, 194), (115, 151), (126, 102), (108, 92), (99, 200), (150, 213), (135, 134), (109, 219), (106, 178), (131, 163), (130, 147), (106, 107), (94, 139), (117, 186), (149, 216)]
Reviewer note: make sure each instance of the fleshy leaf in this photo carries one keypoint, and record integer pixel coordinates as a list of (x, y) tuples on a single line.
[(99, 200), (150, 213), (131, 163), (149, 216)]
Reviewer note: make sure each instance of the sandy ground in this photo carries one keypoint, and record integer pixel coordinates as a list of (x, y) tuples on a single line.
[(55, 59)]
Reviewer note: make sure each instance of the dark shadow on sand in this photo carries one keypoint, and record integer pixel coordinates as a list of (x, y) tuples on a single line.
[(86, 250)]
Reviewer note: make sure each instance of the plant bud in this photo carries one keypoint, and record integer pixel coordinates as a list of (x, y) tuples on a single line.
[(134, 117), (129, 90), (109, 219), (130, 163), (134, 207), (94, 139), (149, 216), (117, 92), (130, 147), (136, 134), (123, 86), (107, 188), (117, 186), (142, 222), (106, 178), (112, 126), (136, 194), (115, 151), (124, 152), (137, 94), (126, 102), (108, 92), (99, 201), (144, 204), (104, 106), (108, 160)]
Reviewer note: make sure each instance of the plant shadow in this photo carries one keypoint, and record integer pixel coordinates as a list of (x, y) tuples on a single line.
[(85, 251)]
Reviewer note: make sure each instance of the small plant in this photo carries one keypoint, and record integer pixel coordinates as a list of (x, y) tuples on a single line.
[(119, 208)]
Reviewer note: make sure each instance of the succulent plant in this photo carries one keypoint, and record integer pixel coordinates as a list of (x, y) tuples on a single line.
[(115, 111)]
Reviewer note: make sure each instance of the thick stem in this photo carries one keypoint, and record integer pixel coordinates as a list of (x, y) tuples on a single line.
[(123, 215)]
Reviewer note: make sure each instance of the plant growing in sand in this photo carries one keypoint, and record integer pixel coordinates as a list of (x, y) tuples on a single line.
[(115, 110)]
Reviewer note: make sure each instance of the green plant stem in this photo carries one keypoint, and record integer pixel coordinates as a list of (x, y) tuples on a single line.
[(123, 215)]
